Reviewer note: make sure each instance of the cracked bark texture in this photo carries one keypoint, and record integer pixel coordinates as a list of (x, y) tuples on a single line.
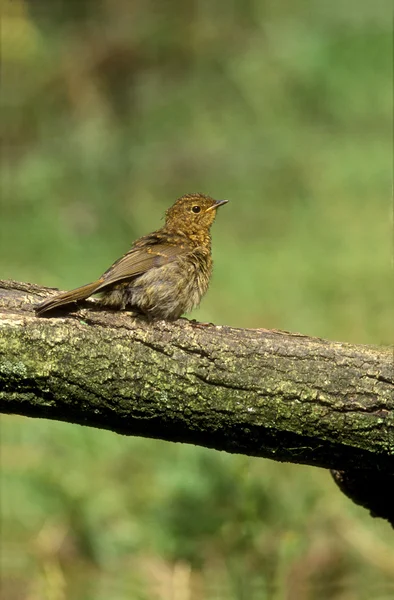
[(258, 392)]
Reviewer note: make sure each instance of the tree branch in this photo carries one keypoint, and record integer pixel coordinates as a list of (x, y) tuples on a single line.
[(258, 392)]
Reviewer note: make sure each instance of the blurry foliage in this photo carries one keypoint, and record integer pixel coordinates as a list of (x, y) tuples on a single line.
[(112, 109)]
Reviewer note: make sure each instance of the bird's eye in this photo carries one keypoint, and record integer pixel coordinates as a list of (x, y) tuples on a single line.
[(196, 209)]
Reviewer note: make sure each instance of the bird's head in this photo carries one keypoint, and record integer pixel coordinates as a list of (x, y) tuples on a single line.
[(193, 212)]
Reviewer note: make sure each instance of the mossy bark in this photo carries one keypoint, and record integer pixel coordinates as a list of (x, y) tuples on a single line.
[(266, 393)]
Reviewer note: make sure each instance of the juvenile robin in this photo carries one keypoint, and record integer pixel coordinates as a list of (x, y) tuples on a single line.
[(164, 274)]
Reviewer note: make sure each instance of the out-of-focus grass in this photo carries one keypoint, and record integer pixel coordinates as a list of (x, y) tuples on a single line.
[(114, 109)]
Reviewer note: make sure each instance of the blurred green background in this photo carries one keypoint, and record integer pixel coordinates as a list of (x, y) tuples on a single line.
[(111, 110)]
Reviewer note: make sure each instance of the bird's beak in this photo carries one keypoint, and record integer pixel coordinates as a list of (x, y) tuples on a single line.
[(216, 205)]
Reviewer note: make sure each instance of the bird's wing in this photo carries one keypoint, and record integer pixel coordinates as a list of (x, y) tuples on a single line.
[(139, 260)]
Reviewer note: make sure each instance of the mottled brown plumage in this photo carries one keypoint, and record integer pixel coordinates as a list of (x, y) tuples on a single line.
[(165, 273)]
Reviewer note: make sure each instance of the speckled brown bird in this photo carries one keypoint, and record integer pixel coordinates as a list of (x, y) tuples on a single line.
[(164, 274)]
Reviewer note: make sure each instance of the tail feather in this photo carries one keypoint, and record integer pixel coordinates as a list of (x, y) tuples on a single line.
[(68, 297)]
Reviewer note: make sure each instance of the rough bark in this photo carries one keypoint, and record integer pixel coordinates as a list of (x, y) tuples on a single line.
[(258, 392)]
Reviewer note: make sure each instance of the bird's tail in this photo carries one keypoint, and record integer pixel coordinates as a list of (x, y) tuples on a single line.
[(68, 297)]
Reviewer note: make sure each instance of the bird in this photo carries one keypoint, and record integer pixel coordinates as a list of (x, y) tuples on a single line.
[(165, 273)]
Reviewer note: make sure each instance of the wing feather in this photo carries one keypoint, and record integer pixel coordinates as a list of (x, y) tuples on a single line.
[(139, 260)]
